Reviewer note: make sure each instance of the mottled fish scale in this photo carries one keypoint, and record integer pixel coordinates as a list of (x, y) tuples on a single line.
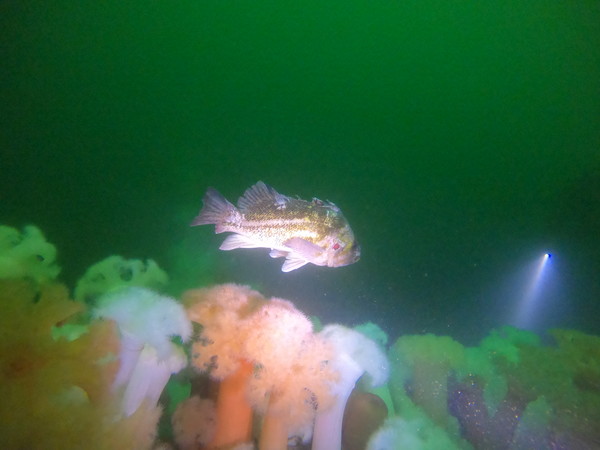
[(298, 216)]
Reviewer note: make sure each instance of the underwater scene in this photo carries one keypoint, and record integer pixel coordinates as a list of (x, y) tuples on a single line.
[(326, 225)]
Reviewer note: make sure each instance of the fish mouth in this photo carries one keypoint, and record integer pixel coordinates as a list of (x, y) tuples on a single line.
[(353, 256), (356, 255)]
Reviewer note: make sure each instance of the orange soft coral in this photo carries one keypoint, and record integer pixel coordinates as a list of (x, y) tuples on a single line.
[(49, 381), (268, 348), (222, 311), (56, 392), (292, 375)]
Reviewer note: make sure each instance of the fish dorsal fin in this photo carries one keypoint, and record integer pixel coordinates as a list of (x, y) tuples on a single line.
[(261, 193), (293, 262)]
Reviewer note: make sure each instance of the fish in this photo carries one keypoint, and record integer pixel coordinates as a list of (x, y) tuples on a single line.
[(300, 231)]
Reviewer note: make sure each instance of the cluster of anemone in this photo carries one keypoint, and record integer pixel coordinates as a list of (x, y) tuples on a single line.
[(124, 366), (270, 363), (122, 340), (88, 376)]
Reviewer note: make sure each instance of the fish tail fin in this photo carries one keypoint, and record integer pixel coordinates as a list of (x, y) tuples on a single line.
[(216, 210)]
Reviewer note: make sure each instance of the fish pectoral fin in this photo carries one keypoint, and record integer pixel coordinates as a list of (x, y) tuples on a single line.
[(307, 249), (274, 253), (293, 262), (238, 241)]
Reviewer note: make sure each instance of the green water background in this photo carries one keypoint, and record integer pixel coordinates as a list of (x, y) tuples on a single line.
[(460, 138)]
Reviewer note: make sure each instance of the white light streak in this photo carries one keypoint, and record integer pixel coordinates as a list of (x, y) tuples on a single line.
[(528, 305)]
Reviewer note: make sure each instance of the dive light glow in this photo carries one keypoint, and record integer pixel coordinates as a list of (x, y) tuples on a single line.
[(530, 301)]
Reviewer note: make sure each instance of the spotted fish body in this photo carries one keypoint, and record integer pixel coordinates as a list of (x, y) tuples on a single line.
[(301, 231)]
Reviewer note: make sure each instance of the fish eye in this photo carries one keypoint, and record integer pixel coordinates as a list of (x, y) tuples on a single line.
[(336, 246)]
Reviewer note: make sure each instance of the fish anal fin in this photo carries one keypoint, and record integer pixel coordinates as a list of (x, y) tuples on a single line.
[(238, 241), (274, 253), (293, 262)]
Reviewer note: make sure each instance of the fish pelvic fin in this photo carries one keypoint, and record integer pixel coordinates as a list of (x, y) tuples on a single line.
[(218, 211), (293, 262)]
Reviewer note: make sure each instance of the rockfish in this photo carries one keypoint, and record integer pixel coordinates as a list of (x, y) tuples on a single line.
[(301, 231)]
